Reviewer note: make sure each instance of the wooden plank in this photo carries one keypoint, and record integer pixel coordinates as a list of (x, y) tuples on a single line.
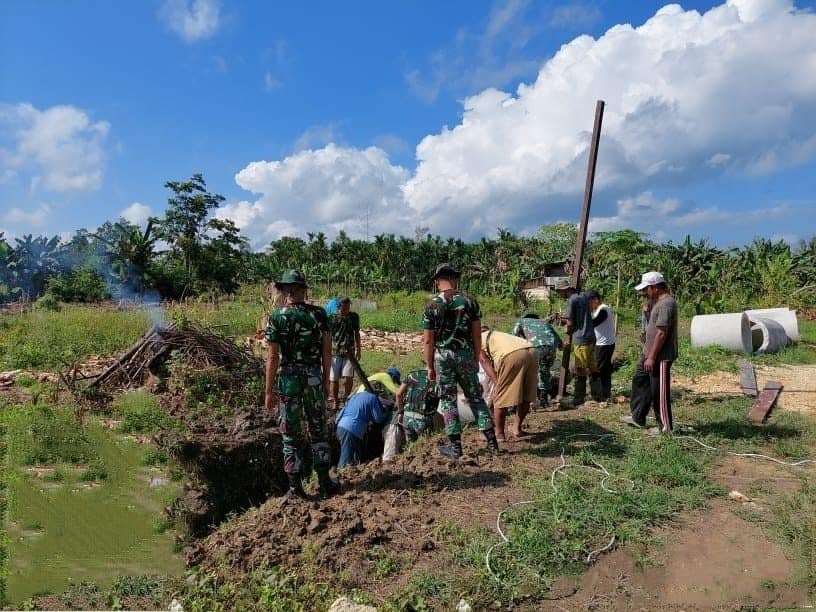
[(765, 402), (748, 381)]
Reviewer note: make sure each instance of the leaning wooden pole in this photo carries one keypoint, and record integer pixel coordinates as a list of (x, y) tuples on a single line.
[(580, 242)]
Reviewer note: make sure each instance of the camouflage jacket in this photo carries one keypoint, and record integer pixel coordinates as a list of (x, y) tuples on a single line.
[(343, 331), (450, 315), (298, 329), (419, 392), (537, 332)]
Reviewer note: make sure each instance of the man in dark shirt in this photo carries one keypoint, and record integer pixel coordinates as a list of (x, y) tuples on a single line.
[(581, 336), (344, 326), (651, 384)]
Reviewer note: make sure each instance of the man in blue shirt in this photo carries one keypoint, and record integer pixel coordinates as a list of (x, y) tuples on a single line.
[(361, 409), (581, 335)]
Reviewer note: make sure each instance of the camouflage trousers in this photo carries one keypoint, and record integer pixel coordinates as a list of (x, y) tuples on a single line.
[(546, 357), (301, 402), (416, 423), (459, 367)]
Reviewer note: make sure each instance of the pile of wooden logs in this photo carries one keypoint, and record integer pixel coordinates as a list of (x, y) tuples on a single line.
[(399, 343), (8, 378)]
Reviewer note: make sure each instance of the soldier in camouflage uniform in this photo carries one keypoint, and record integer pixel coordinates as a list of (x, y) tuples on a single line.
[(451, 342), (546, 342), (297, 377), (417, 401)]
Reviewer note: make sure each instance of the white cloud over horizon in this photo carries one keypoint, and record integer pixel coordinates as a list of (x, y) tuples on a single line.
[(192, 20), (660, 218), (330, 189), (688, 97), (28, 218), (59, 149), (137, 213)]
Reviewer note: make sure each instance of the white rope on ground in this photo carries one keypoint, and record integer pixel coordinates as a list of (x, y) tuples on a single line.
[(559, 469), (600, 550), (749, 455), (600, 468)]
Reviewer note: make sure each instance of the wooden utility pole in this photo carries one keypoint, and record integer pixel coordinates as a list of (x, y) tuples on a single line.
[(580, 243)]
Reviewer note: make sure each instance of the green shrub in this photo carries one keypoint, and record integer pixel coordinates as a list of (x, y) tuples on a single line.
[(95, 471), (47, 302), (80, 285)]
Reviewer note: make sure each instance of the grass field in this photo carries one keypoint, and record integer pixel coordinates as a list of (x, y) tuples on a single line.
[(78, 505)]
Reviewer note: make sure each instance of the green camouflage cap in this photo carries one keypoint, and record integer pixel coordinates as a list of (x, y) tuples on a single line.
[(291, 277)]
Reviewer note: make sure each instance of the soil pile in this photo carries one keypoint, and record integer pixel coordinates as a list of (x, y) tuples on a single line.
[(399, 504)]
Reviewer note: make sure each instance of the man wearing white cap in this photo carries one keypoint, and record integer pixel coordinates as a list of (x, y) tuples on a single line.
[(651, 384)]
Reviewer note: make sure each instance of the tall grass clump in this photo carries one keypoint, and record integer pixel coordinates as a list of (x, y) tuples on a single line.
[(45, 435)]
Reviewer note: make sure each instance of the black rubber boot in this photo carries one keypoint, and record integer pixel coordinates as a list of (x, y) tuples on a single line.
[(453, 448), (492, 442), (579, 391), (295, 487), (328, 486)]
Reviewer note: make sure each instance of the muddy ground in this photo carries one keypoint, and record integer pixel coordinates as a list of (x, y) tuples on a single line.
[(704, 561)]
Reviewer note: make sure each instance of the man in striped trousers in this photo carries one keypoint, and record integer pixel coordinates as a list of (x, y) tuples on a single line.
[(651, 384)]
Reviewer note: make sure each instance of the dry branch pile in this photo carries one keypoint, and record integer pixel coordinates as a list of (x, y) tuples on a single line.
[(195, 346), (399, 343)]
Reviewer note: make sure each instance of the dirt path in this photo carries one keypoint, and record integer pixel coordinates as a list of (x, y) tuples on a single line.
[(709, 560), (798, 382)]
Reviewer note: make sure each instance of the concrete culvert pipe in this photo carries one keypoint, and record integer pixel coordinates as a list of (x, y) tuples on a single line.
[(784, 316), (768, 335), (730, 330)]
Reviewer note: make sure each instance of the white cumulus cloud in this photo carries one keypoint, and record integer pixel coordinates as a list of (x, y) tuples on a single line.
[(28, 218), (330, 189), (689, 96), (669, 218), (685, 94), (59, 149), (136, 213), (192, 19)]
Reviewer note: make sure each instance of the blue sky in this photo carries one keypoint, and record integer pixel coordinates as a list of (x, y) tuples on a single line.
[(389, 116)]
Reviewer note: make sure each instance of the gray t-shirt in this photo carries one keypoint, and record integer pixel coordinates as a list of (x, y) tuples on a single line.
[(578, 311), (664, 314)]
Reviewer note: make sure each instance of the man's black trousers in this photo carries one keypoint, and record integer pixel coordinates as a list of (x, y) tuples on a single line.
[(603, 357), (652, 390)]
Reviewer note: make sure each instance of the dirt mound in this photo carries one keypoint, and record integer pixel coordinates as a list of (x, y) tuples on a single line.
[(399, 504), (228, 471)]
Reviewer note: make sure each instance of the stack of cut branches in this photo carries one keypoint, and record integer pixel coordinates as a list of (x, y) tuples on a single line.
[(196, 346), (399, 343)]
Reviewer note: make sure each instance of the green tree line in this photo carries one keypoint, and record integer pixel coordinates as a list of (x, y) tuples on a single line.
[(190, 252)]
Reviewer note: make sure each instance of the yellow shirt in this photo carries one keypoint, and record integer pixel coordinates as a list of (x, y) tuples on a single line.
[(500, 345)]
